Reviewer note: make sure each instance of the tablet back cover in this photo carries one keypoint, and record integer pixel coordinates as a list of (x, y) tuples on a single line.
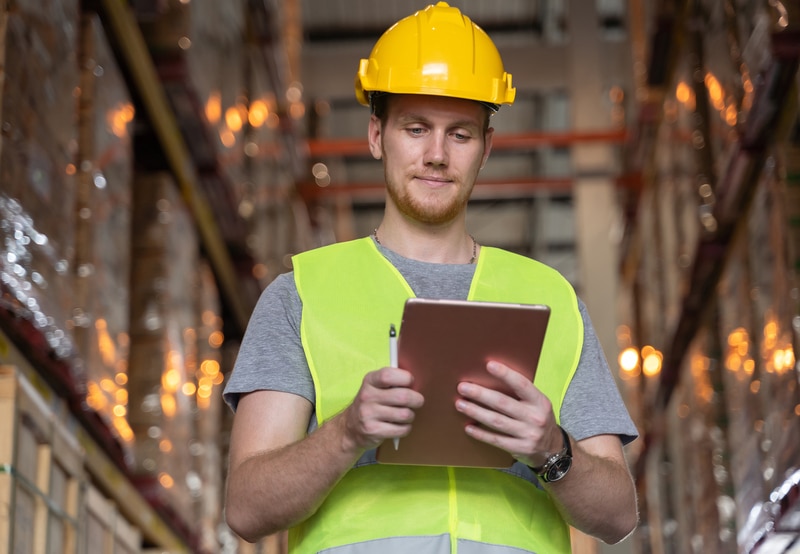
[(444, 342)]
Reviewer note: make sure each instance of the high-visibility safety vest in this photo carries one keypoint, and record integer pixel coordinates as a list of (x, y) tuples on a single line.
[(350, 295)]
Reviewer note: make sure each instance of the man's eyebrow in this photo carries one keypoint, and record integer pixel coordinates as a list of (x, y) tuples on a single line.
[(411, 118), (418, 118)]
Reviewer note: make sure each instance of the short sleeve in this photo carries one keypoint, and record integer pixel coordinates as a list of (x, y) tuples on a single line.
[(271, 356)]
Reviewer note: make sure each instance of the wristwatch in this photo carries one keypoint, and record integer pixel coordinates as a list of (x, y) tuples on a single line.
[(558, 464)]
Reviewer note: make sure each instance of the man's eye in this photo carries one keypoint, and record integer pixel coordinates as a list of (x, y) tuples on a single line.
[(416, 130), (461, 136)]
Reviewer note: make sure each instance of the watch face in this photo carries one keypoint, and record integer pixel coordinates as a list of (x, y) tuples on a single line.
[(559, 469)]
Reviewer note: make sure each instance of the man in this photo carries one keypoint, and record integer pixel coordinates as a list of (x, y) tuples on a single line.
[(311, 388)]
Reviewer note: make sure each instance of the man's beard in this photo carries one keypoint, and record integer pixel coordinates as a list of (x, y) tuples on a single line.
[(437, 212)]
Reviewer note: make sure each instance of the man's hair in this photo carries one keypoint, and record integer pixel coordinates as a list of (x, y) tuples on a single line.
[(379, 102)]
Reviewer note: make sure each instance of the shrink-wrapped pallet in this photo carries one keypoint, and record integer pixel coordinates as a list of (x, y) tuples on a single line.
[(201, 52), (175, 374), (739, 357), (774, 303), (207, 447), (37, 166), (103, 228), (162, 328)]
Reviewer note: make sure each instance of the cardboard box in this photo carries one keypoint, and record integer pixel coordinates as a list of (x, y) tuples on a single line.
[(42, 474), (106, 531)]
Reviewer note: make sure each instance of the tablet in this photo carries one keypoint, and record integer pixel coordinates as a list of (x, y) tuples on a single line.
[(444, 342)]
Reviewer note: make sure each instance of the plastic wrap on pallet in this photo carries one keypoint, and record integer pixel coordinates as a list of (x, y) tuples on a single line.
[(773, 526), (216, 63), (3, 27), (729, 78), (102, 249), (200, 49), (165, 251), (676, 525), (677, 204), (740, 337), (650, 273), (791, 199), (708, 470), (669, 205), (224, 100), (205, 477), (774, 298), (37, 168), (712, 93), (174, 372), (264, 187), (757, 317)]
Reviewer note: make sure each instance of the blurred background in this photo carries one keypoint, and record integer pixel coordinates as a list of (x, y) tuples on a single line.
[(162, 160)]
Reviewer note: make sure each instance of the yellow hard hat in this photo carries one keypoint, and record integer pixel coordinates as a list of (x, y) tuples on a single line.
[(437, 51)]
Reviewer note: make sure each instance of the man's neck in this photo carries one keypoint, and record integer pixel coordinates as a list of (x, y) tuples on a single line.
[(450, 245)]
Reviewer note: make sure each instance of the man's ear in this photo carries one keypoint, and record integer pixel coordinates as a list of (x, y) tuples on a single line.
[(375, 137), (487, 145)]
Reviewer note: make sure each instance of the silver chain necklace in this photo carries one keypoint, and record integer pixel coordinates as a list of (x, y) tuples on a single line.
[(474, 245)]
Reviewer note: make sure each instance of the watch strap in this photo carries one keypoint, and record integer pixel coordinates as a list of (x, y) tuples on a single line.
[(562, 458)]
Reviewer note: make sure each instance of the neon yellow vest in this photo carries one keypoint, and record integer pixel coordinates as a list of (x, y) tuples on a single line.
[(350, 294)]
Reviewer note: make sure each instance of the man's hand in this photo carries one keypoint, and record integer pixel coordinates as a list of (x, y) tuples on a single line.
[(524, 426), (382, 409), (598, 496)]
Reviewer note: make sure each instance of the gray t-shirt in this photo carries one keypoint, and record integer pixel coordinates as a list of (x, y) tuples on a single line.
[(271, 356)]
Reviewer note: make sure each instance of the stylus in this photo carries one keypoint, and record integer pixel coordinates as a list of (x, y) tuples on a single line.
[(393, 363)]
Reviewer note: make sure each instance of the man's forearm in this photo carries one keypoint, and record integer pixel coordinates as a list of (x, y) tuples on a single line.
[(275, 490), (597, 496)]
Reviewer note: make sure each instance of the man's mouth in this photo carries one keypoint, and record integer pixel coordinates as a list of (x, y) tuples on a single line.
[(434, 180)]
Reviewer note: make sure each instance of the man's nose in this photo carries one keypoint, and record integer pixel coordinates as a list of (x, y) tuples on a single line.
[(436, 153)]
